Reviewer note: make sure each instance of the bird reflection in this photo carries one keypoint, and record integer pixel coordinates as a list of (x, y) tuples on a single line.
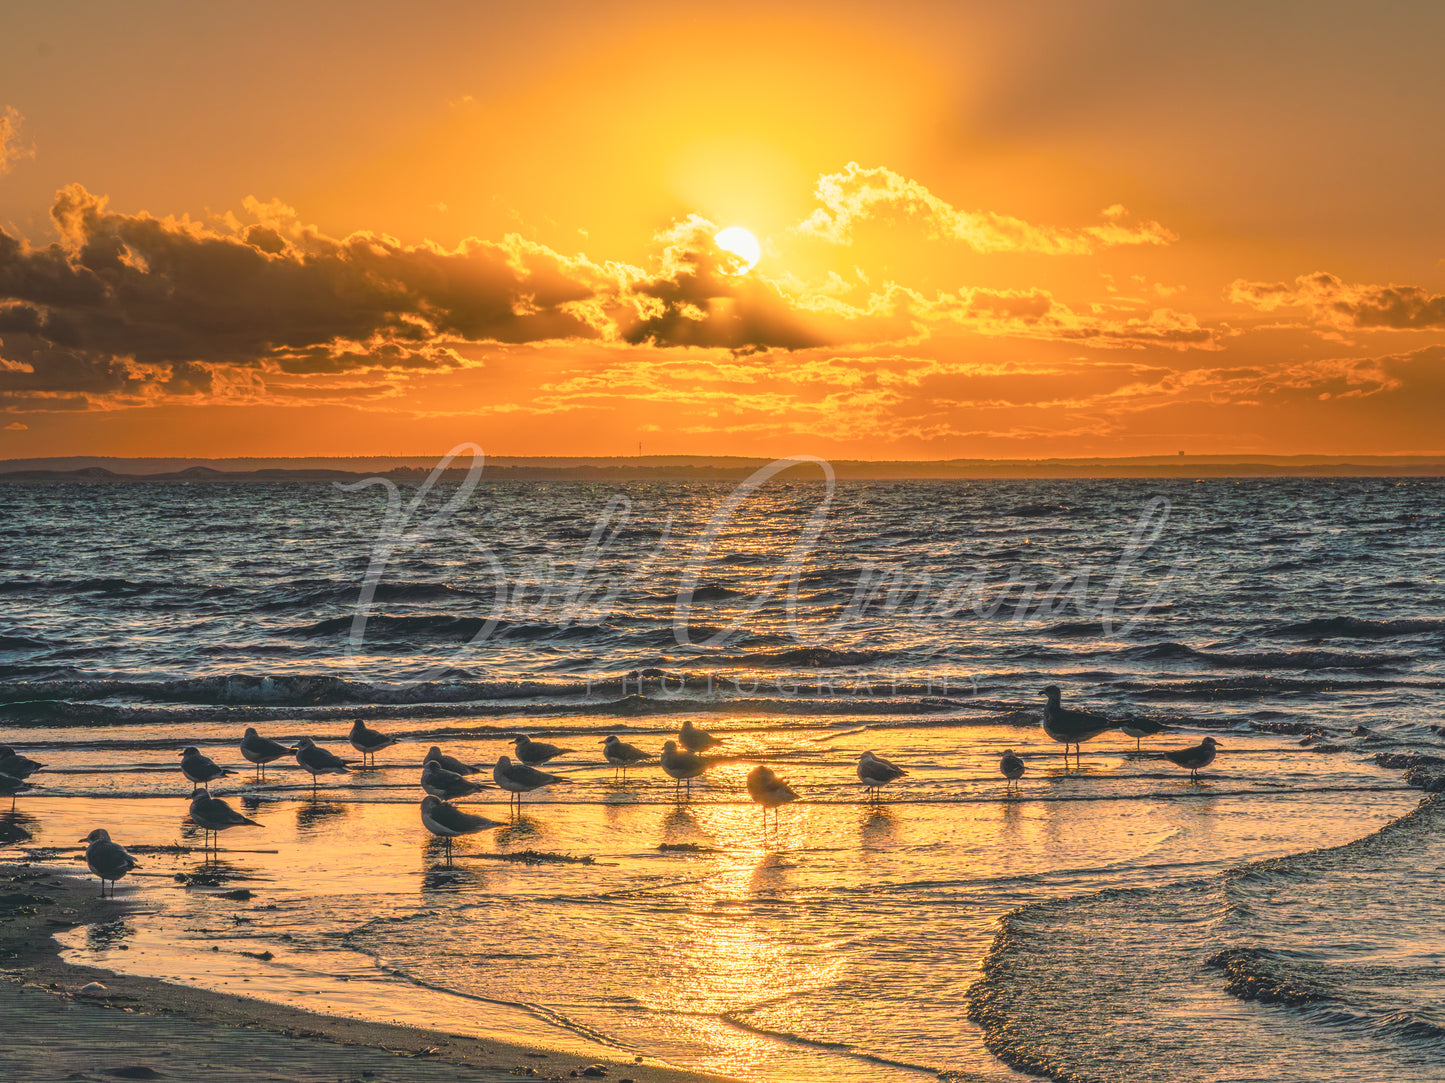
[(250, 802), (879, 828), (770, 875), (310, 817), (15, 827), (444, 878), (214, 873), (519, 831), (680, 825), (106, 935)]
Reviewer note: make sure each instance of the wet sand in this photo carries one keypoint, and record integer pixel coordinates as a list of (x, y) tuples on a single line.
[(142, 1028)]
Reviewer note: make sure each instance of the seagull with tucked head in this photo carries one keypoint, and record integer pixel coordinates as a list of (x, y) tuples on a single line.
[(107, 859)]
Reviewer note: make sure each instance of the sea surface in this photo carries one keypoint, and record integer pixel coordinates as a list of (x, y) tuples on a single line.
[(1277, 919)]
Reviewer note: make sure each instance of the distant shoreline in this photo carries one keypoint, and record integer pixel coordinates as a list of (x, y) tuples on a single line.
[(93, 469)]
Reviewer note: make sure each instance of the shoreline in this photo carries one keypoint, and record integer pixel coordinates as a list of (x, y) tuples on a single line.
[(139, 1027)]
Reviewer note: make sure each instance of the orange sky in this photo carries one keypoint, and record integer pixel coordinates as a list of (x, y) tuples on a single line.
[(1086, 228)]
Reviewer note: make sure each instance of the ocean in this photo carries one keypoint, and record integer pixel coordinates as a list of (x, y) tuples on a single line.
[(1274, 920)]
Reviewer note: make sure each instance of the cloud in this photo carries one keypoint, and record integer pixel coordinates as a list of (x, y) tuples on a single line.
[(880, 196), (15, 426), (1336, 303), (11, 149), (693, 301)]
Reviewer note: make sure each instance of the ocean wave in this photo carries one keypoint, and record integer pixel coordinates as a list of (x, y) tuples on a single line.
[(109, 586), (1272, 931), (1357, 628), (1308, 659), (21, 643)]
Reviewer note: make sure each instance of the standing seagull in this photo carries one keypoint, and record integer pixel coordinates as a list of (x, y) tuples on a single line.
[(447, 821), (318, 761), (1071, 727), (11, 785), (681, 766), (107, 859), (201, 770), (449, 763), (875, 771), (368, 741), (16, 765), (533, 753), (212, 815), (1139, 728), (768, 790), (1012, 768), (439, 782), (696, 740), (518, 778), (620, 754), (262, 750), (1195, 759)]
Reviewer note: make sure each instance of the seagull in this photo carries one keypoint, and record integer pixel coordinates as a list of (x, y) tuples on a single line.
[(447, 821), (449, 763), (696, 740), (212, 815), (1071, 727), (201, 770), (262, 750), (1139, 728), (1011, 767), (368, 741), (318, 761), (875, 771), (532, 752), (439, 782), (1195, 759), (681, 766), (11, 785), (518, 778), (107, 859), (620, 754), (16, 765), (768, 790)]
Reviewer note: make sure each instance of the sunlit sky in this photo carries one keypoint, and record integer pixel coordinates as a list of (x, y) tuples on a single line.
[(987, 230)]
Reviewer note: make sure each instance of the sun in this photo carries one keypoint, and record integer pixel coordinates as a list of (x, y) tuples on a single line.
[(742, 246)]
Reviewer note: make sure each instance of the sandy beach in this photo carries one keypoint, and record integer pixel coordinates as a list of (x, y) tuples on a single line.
[(143, 1028)]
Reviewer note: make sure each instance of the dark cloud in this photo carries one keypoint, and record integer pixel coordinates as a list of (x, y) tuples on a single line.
[(130, 305), (1333, 301)]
